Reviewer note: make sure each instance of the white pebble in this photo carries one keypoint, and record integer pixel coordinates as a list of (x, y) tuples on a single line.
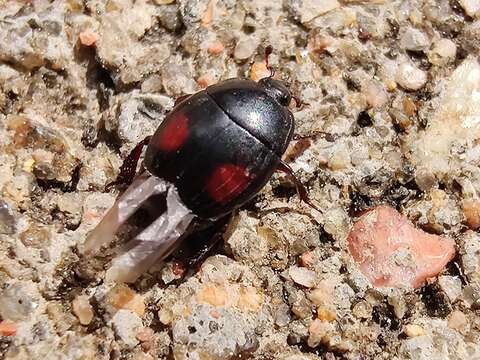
[(471, 7), (414, 40), (302, 276), (410, 77)]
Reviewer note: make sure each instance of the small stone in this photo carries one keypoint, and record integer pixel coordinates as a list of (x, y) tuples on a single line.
[(319, 332), (126, 325), (307, 259), (7, 220), (471, 7), (451, 285), (310, 9), (414, 40), (457, 321), (16, 303), (82, 309), (409, 107), (244, 49), (471, 211), (302, 276), (165, 316), (88, 37), (35, 237), (145, 334), (362, 310), (8, 328), (250, 299), (375, 94), (443, 51), (397, 301), (213, 294), (390, 251), (410, 77), (323, 294), (122, 297), (216, 47), (206, 80), (339, 160), (152, 84), (259, 71), (470, 252), (412, 330), (326, 314)]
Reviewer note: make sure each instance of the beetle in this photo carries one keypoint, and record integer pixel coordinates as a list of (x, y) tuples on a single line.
[(217, 149)]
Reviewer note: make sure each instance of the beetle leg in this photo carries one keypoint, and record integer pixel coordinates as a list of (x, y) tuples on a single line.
[(129, 166), (301, 190)]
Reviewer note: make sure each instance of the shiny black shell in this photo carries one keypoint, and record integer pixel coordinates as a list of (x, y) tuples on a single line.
[(220, 146)]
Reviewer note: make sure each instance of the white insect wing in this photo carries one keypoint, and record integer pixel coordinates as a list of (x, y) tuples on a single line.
[(151, 245)]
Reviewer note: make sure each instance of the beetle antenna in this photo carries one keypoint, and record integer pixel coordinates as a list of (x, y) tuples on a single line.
[(268, 52)]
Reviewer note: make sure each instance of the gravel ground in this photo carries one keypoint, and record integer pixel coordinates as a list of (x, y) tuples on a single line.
[(396, 84)]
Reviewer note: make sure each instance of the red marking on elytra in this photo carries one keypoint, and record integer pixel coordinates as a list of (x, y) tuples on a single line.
[(227, 181), (174, 133)]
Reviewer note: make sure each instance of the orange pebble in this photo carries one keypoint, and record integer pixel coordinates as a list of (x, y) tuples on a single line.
[(8, 328), (205, 81), (215, 48), (259, 71), (88, 37)]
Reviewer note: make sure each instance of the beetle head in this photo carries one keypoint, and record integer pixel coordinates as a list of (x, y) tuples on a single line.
[(277, 90)]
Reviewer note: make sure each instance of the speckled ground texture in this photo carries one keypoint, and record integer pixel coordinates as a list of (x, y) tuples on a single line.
[(396, 84)]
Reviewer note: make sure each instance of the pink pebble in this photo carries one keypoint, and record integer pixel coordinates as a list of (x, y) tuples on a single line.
[(88, 38), (390, 251)]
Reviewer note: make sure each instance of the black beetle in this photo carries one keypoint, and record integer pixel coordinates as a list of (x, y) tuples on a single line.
[(215, 151), (220, 146)]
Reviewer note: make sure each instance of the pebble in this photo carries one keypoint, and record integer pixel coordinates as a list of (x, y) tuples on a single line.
[(250, 299), (7, 220), (82, 309), (126, 326), (88, 37), (324, 293), (471, 7), (302, 276), (326, 314), (259, 71), (390, 251), (453, 123), (470, 253), (362, 310), (412, 330), (310, 9), (471, 211), (122, 297), (8, 328), (215, 47), (307, 259), (443, 51), (457, 320), (244, 48), (319, 332), (213, 294), (375, 94), (16, 303), (451, 285), (414, 40), (409, 77)]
